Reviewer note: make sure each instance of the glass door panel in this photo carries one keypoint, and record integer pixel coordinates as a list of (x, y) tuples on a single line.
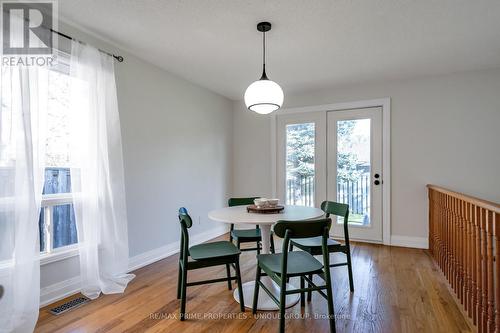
[(300, 164), (301, 158), (353, 168)]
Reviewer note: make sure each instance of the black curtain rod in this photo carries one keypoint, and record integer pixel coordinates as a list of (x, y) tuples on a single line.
[(117, 57)]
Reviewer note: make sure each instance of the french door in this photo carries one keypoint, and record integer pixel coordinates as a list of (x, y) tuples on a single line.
[(355, 170), (335, 156)]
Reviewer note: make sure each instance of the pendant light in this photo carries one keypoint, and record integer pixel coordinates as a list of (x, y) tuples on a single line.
[(264, 96)]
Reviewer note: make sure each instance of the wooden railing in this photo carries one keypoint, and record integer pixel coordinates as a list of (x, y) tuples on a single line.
[(464, 239)]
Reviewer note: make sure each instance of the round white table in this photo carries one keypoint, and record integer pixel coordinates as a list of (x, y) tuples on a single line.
[(239, 215)]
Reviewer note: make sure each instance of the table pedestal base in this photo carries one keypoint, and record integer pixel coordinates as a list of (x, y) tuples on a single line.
[(265, 302)]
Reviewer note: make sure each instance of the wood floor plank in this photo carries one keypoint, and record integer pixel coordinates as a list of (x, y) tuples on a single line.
[(396, 290)]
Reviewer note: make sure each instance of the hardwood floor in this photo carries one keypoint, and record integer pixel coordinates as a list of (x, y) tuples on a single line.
[(396, 290)]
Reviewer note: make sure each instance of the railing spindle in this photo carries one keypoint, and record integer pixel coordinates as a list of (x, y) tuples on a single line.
[(464, 240), (491, 295)]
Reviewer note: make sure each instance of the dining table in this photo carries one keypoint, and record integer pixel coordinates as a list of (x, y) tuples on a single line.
[(239, 215)]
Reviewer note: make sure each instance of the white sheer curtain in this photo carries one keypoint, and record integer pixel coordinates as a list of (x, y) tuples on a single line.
[(22, 152), (97, 177)]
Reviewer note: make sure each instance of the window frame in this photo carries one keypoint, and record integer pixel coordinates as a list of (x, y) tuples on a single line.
[(49, 201), (51, 254)]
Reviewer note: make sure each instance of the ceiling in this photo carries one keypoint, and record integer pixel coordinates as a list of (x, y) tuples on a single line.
[(313, 43)]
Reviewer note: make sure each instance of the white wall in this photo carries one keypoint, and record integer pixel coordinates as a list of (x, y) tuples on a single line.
[(445, 130), (177, 146)]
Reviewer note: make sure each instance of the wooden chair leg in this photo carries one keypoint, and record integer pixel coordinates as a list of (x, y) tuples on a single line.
[(256, 291), (228, 271), (349, 269), (179, 281), (290, 250), (271, 240), (309, 293), (302, 294), (282, 306), (183, 294), (331, 313), (240, 289)]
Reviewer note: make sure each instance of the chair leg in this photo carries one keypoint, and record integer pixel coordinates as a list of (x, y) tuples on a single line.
[(183, 294), (240, 288), (331, 312), (228, 271), (271, 240), (349, 269), (256, 291), (238, 244), (290, 250), (309, 293), (282, 306), (258, 247), (179, 281), (302, 293)]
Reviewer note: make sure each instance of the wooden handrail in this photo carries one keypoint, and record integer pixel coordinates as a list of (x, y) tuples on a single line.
[(491, 206), (464, 240)]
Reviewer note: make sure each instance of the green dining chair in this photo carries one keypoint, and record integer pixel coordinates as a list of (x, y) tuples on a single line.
[(246, 235), (204, 255), (314, 245), (279, 267)]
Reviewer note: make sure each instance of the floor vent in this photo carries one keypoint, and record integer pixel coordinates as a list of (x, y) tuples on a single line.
[(73, 304)]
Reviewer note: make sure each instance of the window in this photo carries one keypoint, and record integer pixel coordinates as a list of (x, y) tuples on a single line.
[(57, 225)]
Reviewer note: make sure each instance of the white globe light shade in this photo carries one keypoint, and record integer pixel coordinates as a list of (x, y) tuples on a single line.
[(264, 96)]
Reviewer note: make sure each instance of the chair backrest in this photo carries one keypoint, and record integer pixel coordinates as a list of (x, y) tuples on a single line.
[(302, 229), (338, 209), (186, 222), (241, 201), (184, 218), (335, 208)]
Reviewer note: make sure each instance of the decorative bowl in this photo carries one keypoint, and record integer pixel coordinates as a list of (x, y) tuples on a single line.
[(260, 202), (273, 202)]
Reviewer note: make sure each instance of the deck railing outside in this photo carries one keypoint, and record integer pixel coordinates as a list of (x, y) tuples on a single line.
[(355, 193)]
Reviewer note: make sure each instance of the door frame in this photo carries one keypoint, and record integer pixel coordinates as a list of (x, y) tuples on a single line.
[(385, 104)]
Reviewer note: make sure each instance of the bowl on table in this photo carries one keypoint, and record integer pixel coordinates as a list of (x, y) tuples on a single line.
[(260, 202), (273, 202)]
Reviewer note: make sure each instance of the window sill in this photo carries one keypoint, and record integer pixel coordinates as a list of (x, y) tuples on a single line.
[(59, 254)]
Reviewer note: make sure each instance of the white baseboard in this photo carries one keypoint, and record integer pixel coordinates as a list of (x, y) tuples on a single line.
[(62, 289), (59, 290), (163, 252), (407, 241)]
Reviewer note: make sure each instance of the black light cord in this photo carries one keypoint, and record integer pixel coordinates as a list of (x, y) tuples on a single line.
[(264, 48), (264, 76)]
